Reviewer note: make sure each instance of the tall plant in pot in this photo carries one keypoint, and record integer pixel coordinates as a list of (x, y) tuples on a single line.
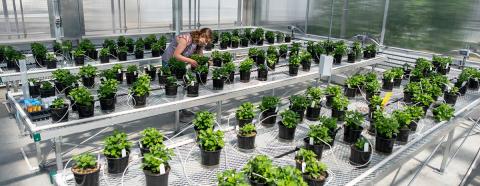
[(104, 55), (229, 72), (191, 85), (353, 85), (330, 92), (353, 126), (64, 80), (88, 74), (357, 49), (404, 119), (397, 79), (306, 60), (149, 41), (150, 138), (151, 71), (34, 87), (155, 165), (315, 172), (244, 68), (280, 37), (79, 57), (59, 110), (203, 120), (117, 152), (202, 74), (244, 40), (259, 170), (132, 74), (51, 61), (288, 124), (178, 68), (107, 94), (443, 112), (331, 124), (217, 58), (387, 129), (302, 156), (270, 37), (246, 136), (122, 53), (211, 144), (268, 108), (293, 64), (129, 46), (317, 138), (298, 104), (235, 41), (224, 40), (339, 106), (118, 70), (451, 95), (157, 49), (360, 152), (372, 88), (423, 100), (339, 51), (295, 49), (83, 100), (140, 90), (258, 36), (12, 57), (86, 170), (288, 175), (283, 50), (219, 76), (262, 72), (245, 114), (370, 51), (163, 74), (416, 113), (314, 96), (388, 80), (272, 61), (139, 49), (39, 53)]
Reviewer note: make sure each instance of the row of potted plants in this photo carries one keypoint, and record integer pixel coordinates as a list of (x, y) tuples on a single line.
[(242, 38)]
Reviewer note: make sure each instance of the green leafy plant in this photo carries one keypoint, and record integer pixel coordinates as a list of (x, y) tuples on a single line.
[(104, 52), (373, 86), (245, 111), (150, 39), (248, 130), (231, 178), (115, 143), (64, 77), (117, 68), (201, 60), (386, 126), (316, 169), (329, 122), (415, 112), (339, 102), (288, 175), (58, 103), (159, 154), (355, 81), (371, 48), (109, 74), (271, 50), (280, 35), (314, 94), (443, 112), (389, 75), (271, 59), (304, 155), (305, 57), (246, 65), (85, 161), (204, 120), (151, 137), (51, 58), (88, 71), (229, 67), (354, 119), (376, 101), (360, 143), (202, 69), (270, 35), (403, 117), (253, 52), (165, 71), (81, 96), (108, 89), (340, 48), (121, 41), (39, 51), (78, 53), (258, 34), (259, 169), (269, 102), (175, 64), (283, 49), (211, 140), (219, 73), (46, 85), (453, 90), (422, 99), (294, 60), (141, 87), (333, 90), (132, 68), (295, 48), (298, 102), (290, 119), (227, 57), (319, 134)]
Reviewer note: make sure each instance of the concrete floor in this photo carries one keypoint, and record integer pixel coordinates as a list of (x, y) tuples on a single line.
[(15, 170)]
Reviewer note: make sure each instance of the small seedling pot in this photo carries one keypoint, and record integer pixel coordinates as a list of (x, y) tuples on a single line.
[(171, 90), (107, 104), (384, 145), (292, 70), (350, 135), (316, 148), (152, 179), (285, 133), (313, 113), (218, 84), (245, 76), (117, 165), (85, 111), (59, 114), (262, 74), (270, 116), (88, 81), (210, 158), (359, 156), (87, 179), (139, 101), (192, 90), (246, 142)]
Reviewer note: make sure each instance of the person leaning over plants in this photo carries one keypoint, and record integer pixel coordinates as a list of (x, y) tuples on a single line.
[(184, 45)]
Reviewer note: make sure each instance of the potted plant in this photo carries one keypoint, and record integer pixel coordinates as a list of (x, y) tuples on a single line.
[(268, 108), (317, 138), (104, 55), (121, 41), (330, 92), (317, 51), (211, 144), (218, 78), (443, 64), (339, 51), (397, 79), (88, 74), (258, 36), (149, 41), (259, 170), (151, 71), (47, 89), (150, 138), (288, 175), (353, 126), (130, 45), (462, 83), (79, 56), (235, 41), (231, 177), (288, 124), (298, 104), (83, 101), (314, 96), (202, 74), (156, 49), (293, 64), (245, 114), (360, 152), (370, 51), (388, 78), (163, 74), (57, 47), (107, 94), (244, 68), (191, 85), (139, 49), (59, 110), (244, 40), (203, 120), (302, 156), (443, 112), (357, 49), (12, 58), (64, 81), (215, 37), (224, 41), (451, 95), (272, 61), (87, 46), (39, 53), (118, 70), (270, 36), (306, 60), (283, 50), (353, 84), (295, 49), (404, 119), (409, 89), (132, 74), (86, 170), (351, 56), (262, 72), (229, 69), (155, 165), (473, 81), (117, 152), (217, 58), (288, 38), (372, 88), (163, 43), (375, 103), (271, 50), (339, 105), (328, 46), (111, 45), (387, 130), (315, 172), (122, 53), (140, 90), (51, 61), (416, 113), (423, 100), (34, 87), (227, 57), (246, 136)]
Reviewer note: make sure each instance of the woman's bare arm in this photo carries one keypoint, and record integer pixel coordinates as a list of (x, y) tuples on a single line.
[(182, 44)]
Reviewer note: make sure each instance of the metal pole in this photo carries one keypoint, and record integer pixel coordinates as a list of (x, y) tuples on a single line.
[(218, 16), (119, 16), (24, 78), (190, 14), (138, 17), (331, 24), (5, 15), (194, 13), (16, 17), (58, 152), (23, 20), (343, 26), (177, 17), (306, 17), (177, 120), (424, 163), (446, 152), (239, 13), (198, 16), (112, 9), (219, 112), (384, 23), (124, 17), (39, 154)]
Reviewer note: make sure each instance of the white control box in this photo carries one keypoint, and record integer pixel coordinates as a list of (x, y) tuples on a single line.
[(325, 66)]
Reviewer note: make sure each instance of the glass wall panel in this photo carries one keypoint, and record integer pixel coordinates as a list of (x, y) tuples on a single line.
[(278, 14), (35, 22)]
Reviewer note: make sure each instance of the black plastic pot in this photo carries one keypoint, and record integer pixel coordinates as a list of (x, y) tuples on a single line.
[(119, 77), (34, 90), (285, 133), (117, 165), (162, 79), (337, 59), (350, 92), (88, 81), (230, 78), (245, 76), (246, 142), (413, 126), (473, 84), (235, 44), (179, 73), (152, 179), (442, 71), (244, 42), (210, 158), (259, 42), (192, 90), (155, 53), (130, 48), (107, 104), (283, 55), (217, 62), (139, 54), (139, 100), (450, 98), (79, 60), (292, 70), (407, 97), (300, 112), (85, 111), (387, 85), (202, 78), (59, 114), (218, 84), (316, 148), (402, 137), (358, 156), (270, 117), (306, 65), (329, 99), (333, 135), (313, 114), (45, 93), (462, 90), (131, 77), (171, 90), (313, 182), (52, 64), (384, 145), (243, 122), (259, 60), (367, 55), (90, 179), (262, 74), (122, 56), (350, 135), (288, 39), (271, 40), (104, 59), (151, 73), (223, 45), (397, 82), (339, 114), (351, 58)]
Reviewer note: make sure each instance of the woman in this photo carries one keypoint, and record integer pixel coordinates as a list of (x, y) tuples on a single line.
[(184, 45)]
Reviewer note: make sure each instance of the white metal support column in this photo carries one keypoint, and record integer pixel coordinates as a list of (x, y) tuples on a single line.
[(198, 15), (307, 12), (218, 14), (23, 20), (384, 23), (16, 18), (239, 13), (58, 153), (331, 25), (112, 9), (447, 149), (7, 20), (119, 16), (219, 112), (139, 19)]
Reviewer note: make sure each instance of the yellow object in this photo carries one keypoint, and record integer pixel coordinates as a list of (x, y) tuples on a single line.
[(386, 98)]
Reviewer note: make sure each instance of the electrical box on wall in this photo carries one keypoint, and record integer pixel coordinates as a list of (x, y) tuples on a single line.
[(325, 66), (71, 14)]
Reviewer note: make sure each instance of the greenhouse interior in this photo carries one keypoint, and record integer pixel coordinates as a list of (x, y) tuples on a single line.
[(239, 92)]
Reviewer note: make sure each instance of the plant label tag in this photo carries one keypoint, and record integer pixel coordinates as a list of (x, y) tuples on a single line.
[(104, 79), (310, 141), (187, 77), (431, 68), (464, 83), (312, 105), (31, 83), (140, 145), (303, 166), (148, 67), (391, 80), (192, 83), (237, 127), (98, 157), (135, 73), (161, 72), (124, 153), (119, 71), (162, 168), (365, 147)]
